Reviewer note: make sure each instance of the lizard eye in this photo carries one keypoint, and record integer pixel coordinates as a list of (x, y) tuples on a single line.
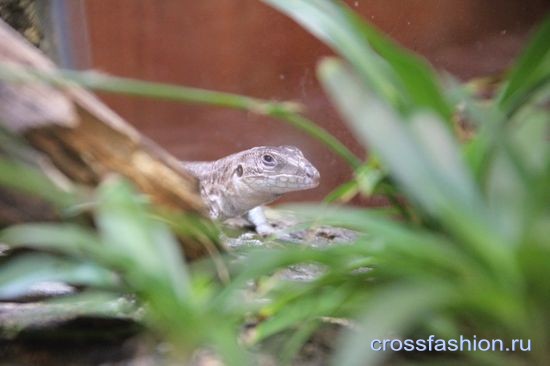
[(239, 171), (268, 160)]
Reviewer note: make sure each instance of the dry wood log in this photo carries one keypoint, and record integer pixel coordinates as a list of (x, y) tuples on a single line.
[(85, 139)]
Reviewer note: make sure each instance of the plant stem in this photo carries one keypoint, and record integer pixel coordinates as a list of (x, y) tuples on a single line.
[(285, 111)]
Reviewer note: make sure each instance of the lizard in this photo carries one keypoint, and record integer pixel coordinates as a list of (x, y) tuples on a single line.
[(239, 184)]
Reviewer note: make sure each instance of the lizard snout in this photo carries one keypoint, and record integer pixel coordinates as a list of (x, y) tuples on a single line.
[(313, 174)]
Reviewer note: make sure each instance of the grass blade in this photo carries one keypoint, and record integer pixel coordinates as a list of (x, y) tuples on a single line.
[(394, 74), (406, 303), (531, 72), (125, 225), (35, 183), (66, 239), (285, 111), (19, 274), (425, 161)]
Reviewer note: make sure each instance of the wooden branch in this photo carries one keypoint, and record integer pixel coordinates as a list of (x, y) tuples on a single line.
[(84, 138)]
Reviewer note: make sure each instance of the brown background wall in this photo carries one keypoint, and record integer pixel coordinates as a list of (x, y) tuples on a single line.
[(245, 47)]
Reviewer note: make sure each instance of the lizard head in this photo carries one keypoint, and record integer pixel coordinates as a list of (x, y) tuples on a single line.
[(276, 170)]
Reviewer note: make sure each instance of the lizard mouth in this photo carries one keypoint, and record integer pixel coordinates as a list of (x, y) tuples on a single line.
[(284, 183), (292, 182)]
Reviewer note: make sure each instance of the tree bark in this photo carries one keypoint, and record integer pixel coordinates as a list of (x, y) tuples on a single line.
[(84, 139)]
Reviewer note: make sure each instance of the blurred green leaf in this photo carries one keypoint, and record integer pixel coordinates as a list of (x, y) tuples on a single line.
[(327, 21), (369, 176), (62, 238), (297, 340), (392, 310), (302, 307), (284, 111), (124, 224), (35, 183), (344, 192), (468, 107), (532, 71), (528, 134), (19, 274), (94, 302), (150, 261), (366, 181), (103, 82), (526, 93), (394, 74), (395, 240), (425, 160), (415, 154), (422, 156), (476, 262), (476, 153), (506, 195)]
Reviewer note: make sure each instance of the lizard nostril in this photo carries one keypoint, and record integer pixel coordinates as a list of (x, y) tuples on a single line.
[(312, 173)]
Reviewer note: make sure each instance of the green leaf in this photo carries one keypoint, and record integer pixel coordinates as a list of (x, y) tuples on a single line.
[(366, 181), (112, 84), (394, 74), (408, 304), (531, 72), (518, 169), (420, 83), (68, 239), (296, 341), (285, 111), (329, 23), (19, 274), (304, 309), (528, 134), (344, 192), (369, 176), (139, 240), (506, 195), (34, 183), (94, 302), (390, 239), (425, 160), (422, 156)]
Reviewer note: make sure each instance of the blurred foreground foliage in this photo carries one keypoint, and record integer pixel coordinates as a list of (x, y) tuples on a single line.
[(468, 256)]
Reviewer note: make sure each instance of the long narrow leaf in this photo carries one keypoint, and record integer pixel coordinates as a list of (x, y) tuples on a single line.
[(396, 75), (68, 239), (35, 183), (124, 224), (285, 111), (531, 71), (424, 159), (19, 274), (328, 22), (392, 311)]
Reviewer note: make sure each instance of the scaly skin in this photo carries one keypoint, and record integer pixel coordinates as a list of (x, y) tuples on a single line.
[(239, 183)]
